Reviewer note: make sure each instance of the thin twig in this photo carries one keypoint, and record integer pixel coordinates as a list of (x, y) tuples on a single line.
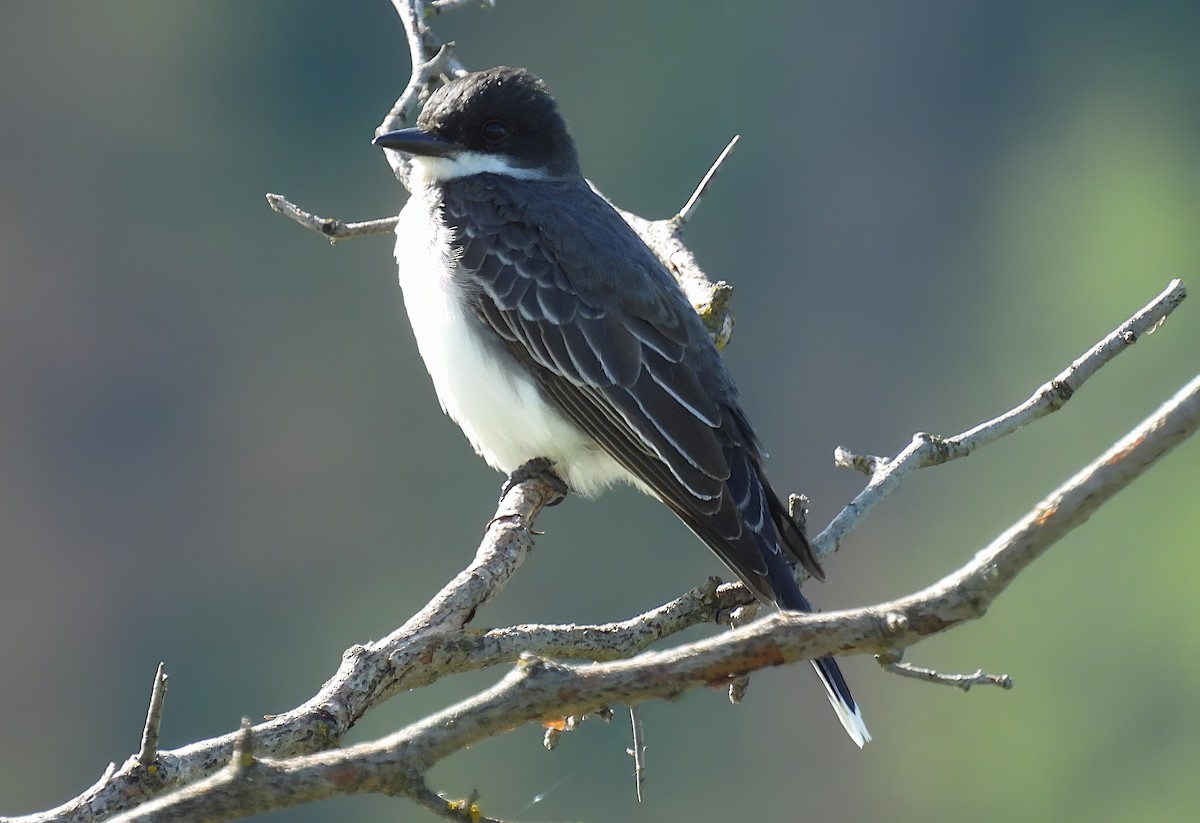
[(331, 227), (638, 752), (892, 662), (432, 62), (1053, 395), (689, 208), (148, 752)]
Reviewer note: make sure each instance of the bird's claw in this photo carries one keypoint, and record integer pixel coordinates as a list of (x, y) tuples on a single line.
[(539, 468)]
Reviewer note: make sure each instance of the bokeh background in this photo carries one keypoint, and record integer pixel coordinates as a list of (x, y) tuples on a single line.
[(218, 446)]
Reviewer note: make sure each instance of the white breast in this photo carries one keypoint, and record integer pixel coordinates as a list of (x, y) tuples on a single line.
[(498, 407)]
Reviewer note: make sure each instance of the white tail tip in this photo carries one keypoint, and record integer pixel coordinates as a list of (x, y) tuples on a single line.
[(847, 711)]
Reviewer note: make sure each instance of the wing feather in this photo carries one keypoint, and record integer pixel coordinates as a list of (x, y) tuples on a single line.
[(618, 352)]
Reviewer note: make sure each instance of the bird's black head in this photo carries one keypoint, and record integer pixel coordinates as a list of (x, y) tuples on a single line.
[(499, 120)]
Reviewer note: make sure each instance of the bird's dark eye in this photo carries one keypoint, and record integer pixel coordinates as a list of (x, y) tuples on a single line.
[(494, 132)]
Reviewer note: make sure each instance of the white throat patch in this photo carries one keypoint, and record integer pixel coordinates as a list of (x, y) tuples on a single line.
[(438, 169)]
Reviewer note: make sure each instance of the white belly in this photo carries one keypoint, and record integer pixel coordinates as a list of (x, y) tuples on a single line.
[(499, 409)]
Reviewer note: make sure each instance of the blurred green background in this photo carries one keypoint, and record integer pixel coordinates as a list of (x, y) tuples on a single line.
[(219, 448)]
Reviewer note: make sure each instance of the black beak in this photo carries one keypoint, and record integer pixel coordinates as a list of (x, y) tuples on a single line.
[(415, 141)]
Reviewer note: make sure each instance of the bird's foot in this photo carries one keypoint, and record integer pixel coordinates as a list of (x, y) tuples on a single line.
[(539, 468)]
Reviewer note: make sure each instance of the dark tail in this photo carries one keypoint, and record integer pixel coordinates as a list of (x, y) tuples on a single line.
[(788, 596), (766, 521)]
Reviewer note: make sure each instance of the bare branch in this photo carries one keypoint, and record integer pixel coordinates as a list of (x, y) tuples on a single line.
[(537, 690), (1053, 395), (394, 764), (368, 675), (929, 450), (609, 641)]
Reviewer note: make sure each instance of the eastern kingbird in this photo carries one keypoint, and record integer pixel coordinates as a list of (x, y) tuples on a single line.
[(550, 330)]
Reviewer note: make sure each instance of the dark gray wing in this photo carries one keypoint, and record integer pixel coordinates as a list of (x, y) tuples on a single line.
[(575, 296)]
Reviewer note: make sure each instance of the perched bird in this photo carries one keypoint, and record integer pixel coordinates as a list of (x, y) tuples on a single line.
[(551, 331)]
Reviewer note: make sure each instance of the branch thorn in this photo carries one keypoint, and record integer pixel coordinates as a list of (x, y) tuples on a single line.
[(685, 214), (148, 752)]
